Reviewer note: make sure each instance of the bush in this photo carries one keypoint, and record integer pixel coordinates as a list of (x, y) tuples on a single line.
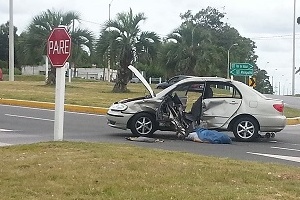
[(3, 65), (6, 71)]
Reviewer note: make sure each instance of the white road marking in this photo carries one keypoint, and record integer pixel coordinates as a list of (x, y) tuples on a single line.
[(26, 117), (285, 149), (5, 130), (289, 158), (4, 144)]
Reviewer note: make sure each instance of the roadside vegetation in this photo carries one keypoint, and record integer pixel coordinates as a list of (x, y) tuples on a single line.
[(69, 170)]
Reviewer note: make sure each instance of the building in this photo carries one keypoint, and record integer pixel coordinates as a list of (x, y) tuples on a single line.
[(86, 73)]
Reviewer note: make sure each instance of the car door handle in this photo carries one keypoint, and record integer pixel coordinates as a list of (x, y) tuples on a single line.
[(233, 102)]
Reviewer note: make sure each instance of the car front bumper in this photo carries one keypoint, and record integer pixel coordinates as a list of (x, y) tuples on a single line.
[(117, 119)]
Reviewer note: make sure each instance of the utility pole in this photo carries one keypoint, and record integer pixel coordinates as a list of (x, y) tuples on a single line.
[(228, 58), (294, 47), (108, 66), (11, 43)]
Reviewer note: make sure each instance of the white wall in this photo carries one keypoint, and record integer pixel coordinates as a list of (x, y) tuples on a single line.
[(87, 73)]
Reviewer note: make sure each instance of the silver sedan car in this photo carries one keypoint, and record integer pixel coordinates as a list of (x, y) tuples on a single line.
[(213, 102)]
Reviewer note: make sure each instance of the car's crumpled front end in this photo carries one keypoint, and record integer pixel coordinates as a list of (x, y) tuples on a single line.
[(119, 114)]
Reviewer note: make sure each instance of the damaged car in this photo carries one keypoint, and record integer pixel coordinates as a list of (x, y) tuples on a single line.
[(214, 102)]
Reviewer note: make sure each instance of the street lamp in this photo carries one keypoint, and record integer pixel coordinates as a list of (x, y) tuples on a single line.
[(228, 58), (273, 75), (193, 35), (109, 9), (279, 87), (193, 30)]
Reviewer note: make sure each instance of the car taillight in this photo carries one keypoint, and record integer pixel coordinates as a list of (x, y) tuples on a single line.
[(279, 107)]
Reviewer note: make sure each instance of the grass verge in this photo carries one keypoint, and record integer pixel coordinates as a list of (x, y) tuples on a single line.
[(68, 170), (291, 112)]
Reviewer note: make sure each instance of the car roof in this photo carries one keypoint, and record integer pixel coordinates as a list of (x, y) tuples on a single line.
[(198, 78), (182, 76)]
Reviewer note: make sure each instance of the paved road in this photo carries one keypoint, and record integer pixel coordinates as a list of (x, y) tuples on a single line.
[(293, 102), (19, 125)]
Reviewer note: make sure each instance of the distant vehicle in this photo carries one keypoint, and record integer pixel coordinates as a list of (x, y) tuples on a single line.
[(171, 81), (135, 80), (219, 103)]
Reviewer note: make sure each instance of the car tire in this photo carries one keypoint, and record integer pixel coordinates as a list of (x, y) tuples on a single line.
[(245, 129), (143, 124)]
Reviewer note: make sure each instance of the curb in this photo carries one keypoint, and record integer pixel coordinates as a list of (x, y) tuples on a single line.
[(51, 106), (87, 109), (293, 121)]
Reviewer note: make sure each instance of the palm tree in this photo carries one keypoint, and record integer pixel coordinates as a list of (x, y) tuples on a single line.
[(35, 37), (123, 41), (188, 49)]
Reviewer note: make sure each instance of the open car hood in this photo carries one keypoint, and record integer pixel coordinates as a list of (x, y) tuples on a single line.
[(142, 79)]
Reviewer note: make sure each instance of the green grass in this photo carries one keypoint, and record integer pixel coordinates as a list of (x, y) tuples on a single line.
[(68, 170), (291, 112), (78, 92)]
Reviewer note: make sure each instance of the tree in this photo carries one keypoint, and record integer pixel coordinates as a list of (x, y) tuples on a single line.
[(35, 38), (199, 46), (4, 43), (185, 51), (123, 41), (263, 84)]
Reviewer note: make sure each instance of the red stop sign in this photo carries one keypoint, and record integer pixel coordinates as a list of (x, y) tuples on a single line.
[(59, 47)]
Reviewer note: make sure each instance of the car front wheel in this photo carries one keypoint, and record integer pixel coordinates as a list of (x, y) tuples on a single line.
[(245, 129), (142, 124)]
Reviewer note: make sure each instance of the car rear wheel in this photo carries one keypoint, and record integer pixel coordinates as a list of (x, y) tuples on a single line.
[(142, 124), (245, 129)]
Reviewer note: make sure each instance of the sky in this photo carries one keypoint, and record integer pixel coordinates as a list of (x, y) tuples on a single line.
[(269, 23)]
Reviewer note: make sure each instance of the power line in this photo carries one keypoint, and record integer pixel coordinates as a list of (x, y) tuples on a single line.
[(288, 36), (90, 22)]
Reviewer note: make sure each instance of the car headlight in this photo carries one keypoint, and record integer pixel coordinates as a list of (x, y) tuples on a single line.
[(118, 107)]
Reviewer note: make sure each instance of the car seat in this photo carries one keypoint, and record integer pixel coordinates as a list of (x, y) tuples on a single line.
[(196, 110), (208, 93)]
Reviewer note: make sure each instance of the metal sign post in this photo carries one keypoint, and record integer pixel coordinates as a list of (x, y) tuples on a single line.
[(58, 51), (59, 104)]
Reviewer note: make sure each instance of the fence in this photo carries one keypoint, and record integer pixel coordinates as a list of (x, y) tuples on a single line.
[(154, 80)]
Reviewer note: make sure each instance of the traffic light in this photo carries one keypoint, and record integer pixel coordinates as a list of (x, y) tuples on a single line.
[(298, 20)]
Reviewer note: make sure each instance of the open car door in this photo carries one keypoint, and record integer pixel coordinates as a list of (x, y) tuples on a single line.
[(221, 104)]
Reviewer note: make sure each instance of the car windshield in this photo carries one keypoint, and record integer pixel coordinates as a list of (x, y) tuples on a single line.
[(165, 91)]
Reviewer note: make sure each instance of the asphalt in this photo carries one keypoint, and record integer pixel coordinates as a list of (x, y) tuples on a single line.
[(85, 109)]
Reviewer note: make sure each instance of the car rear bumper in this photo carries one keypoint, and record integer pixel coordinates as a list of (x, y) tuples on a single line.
[(271, 123)]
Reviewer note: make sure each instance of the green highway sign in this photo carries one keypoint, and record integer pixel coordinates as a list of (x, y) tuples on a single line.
[(241, 69)]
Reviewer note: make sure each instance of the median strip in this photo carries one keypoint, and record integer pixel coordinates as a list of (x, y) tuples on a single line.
[(47, 105)]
